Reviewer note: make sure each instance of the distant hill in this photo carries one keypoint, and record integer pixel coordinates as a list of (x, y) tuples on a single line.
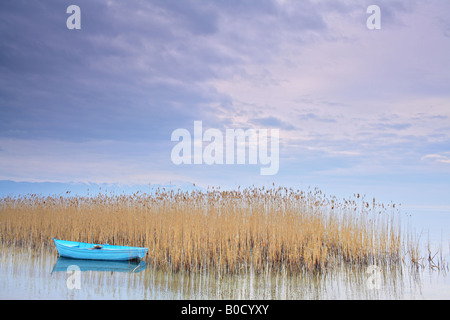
[(13, 188)]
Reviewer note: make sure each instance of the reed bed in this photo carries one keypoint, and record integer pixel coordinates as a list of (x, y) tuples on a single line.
[(226, 231)]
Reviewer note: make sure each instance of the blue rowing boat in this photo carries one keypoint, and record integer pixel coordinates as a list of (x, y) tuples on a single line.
[(91, 251)]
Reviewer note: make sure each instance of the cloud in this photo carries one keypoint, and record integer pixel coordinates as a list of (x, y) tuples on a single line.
[(315, 117), (394, 126), (441, 158), (96, 160), (272, 122), (116, 78), (103, 101)]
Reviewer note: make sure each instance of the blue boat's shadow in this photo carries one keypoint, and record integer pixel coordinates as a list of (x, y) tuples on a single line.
[(65, 264)]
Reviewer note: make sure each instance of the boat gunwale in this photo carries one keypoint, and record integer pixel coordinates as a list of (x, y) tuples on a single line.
[(90, 246), (126, 252)]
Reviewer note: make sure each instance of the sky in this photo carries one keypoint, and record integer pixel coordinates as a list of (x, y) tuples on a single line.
[(358, 110)]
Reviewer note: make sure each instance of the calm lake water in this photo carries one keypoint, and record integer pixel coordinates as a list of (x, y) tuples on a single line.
[(28, 274)]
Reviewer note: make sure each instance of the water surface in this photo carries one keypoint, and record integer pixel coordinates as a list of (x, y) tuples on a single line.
[(27, 274)]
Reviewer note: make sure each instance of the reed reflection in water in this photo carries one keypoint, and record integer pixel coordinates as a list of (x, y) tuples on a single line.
[(31, 274)]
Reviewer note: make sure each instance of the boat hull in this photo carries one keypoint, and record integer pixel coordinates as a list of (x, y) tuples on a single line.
[(86, 251)]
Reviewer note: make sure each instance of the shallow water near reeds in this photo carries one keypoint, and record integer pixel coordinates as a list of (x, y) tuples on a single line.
[(27, 273)]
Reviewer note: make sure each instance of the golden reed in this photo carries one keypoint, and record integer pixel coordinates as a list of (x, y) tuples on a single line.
[(225, 231)]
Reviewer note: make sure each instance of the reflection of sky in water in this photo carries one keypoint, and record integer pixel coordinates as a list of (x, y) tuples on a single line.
[(27, 275), (432, 227)]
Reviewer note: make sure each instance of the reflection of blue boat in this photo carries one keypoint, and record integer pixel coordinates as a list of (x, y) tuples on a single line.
[(63, 264), (91, 251)]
